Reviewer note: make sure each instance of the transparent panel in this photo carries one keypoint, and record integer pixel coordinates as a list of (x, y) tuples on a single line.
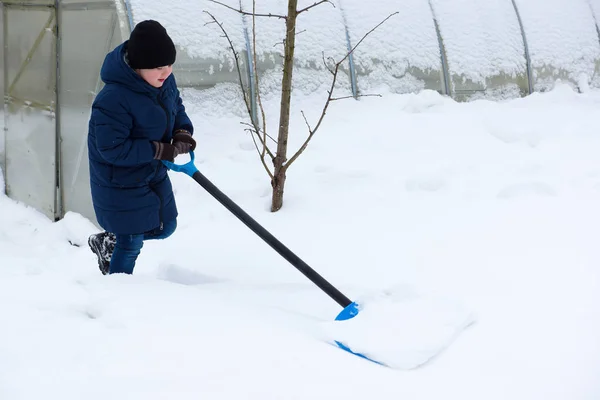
[(30, 99), (485, 48), (86, 36), (403, 54), (563, 41), (320, 33)]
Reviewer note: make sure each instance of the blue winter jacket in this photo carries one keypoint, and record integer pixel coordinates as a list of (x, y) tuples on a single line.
[(131, 191)]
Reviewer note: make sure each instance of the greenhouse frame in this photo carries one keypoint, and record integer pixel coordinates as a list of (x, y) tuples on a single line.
[(465, 49)]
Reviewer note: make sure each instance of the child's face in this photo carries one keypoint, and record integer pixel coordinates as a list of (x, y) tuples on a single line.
[(156, 76)]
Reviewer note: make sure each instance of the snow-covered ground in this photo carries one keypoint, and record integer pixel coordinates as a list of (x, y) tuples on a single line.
[(494, 207)]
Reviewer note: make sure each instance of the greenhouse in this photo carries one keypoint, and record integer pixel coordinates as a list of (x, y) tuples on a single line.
[(470, 49)]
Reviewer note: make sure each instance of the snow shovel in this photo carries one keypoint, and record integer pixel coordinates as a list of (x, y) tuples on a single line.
[(350, 308)]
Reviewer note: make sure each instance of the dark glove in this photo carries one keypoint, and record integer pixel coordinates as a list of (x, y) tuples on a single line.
[(184, 141), (165, 151)]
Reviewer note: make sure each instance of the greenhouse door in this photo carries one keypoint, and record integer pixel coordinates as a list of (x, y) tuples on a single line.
[(88, 30), (30, 62)]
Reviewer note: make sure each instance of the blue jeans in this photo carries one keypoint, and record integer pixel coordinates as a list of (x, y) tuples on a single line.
[(128, 247)]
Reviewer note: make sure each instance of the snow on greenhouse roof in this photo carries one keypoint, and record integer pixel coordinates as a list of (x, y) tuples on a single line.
[(319, 30), (482, 39), (408, 37), (190, 27), (561, 34)]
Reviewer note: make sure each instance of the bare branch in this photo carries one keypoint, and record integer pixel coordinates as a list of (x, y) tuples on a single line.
[(237, 61), (314, 5), (283, 41), (262, 158), (312, 132), (253, 128), (367, 34), (330, 98), (325, 63), (307, 124), (239, 10), (351, 97)]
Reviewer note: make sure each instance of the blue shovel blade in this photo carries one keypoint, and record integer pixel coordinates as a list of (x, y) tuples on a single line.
[(351, 311)]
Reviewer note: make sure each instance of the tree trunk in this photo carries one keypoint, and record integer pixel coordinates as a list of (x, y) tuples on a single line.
[(278, 182)]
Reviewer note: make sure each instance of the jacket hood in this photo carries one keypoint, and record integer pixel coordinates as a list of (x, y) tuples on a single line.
[(116, 70)]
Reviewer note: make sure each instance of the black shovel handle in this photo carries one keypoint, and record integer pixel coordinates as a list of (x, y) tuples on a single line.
[(272, 241)]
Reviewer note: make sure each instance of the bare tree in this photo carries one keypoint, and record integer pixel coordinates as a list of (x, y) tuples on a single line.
[(261, 138)]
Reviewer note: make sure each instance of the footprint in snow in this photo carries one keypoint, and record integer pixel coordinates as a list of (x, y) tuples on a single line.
[(184, 276), (529, 188), (432, 184), (248, 146)]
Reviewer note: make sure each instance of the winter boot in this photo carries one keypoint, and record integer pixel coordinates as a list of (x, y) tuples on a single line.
[(103, 245)]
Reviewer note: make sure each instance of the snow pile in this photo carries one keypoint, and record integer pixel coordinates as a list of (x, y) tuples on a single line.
[(401, 328)]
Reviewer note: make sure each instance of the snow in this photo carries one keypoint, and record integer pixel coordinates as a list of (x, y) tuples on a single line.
[(432, 214), (467, 232)]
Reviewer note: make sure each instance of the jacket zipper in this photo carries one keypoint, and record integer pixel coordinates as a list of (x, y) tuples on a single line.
[(166, 128), (168, 117), (158, 165)]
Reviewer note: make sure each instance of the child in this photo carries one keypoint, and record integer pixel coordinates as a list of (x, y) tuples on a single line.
[(138, 120)]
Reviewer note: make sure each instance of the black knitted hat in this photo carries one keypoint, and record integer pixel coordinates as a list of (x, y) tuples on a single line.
[(150, 46)]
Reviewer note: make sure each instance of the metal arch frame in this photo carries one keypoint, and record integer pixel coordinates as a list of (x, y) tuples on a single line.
[(353, 83), (250, 69), (3, 91), (443, 57), (58, 198), (526, 48), (595, 22), (352, 67), (129, 14), (123, 8)]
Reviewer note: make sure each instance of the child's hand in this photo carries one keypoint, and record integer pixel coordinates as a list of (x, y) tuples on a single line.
[(184, 141), (165, 151)]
